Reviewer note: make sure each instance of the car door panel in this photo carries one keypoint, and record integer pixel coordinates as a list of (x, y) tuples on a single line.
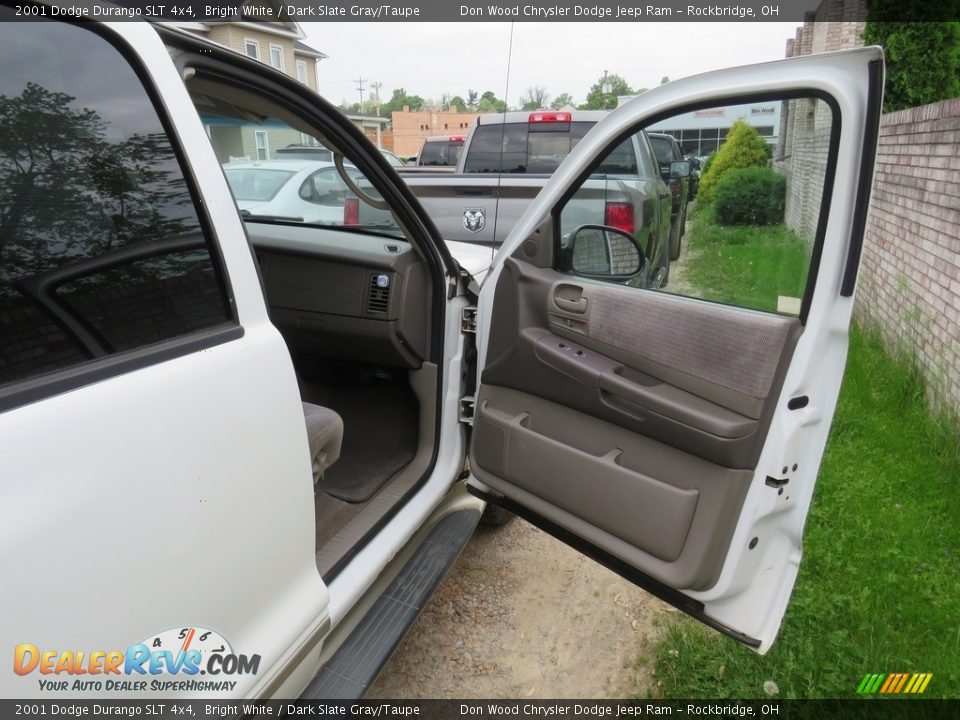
[(675, 439), (675, 462), (682, 371)]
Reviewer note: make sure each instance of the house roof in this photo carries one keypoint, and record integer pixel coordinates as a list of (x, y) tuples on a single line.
[(304, 49)]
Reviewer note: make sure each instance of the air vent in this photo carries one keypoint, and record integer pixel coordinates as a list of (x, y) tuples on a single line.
[(378, 295)]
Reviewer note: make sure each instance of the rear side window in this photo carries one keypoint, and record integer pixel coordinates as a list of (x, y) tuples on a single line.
[(663, 147), (256, 183), (101, 248)]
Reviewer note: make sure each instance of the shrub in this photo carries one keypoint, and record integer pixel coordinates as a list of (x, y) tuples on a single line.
[(707, 163), (750, 196), (744, 147), (923, 57)]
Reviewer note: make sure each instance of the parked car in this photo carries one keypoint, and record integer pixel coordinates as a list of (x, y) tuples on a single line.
[(668, 152), (392, 159), (241, 474), (299, 190), (508, 158)]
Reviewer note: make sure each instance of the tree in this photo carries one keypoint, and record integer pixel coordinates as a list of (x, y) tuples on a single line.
[(534, 97), (923, 58), (598, 100), (399, 99), (744, 147), (72, 192), (459, 103), (561, 101), (490, 103), (472, 99), (665, 79)]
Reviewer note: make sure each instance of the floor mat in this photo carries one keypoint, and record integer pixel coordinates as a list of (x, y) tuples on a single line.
[(380, 432)]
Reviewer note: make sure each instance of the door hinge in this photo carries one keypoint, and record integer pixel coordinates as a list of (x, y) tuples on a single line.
[(466, 409), (468, 320)]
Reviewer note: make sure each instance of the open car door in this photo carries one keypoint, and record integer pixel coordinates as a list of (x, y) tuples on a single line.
[(675, 434)]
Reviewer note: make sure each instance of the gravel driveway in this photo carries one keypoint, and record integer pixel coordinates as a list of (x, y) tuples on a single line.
[(521, 615)]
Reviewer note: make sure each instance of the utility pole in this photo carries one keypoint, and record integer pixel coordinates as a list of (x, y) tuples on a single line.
[(376, 94), (360, 81), (605, 88)]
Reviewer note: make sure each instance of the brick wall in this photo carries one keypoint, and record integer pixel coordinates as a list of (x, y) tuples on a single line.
[(801, 157), (909, 284), (410, 128)]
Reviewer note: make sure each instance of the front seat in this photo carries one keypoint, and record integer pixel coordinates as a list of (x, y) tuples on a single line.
[(324, 436)]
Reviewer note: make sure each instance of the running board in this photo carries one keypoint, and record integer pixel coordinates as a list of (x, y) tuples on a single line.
[(356, 664)]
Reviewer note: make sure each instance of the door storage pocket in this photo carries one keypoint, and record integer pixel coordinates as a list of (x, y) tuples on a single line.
[(587, 478)]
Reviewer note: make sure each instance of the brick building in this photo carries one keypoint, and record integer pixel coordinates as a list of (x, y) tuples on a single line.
[(411, 127)]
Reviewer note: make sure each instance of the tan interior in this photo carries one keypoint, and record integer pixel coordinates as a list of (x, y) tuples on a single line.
[(630, 417)]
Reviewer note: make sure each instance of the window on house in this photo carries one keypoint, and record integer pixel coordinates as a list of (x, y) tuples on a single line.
[(263, 150), (252, 48), (302, 71), (276, 57)]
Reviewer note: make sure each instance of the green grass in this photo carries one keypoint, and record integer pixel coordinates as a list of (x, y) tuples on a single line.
[(746, 266), (879, 587)]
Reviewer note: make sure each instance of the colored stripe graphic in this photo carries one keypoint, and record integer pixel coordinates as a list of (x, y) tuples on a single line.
[(894, 683)]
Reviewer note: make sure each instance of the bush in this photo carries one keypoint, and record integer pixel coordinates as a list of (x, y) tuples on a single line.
[(744, 147), (707, 163), (923, 57), (750, 196)]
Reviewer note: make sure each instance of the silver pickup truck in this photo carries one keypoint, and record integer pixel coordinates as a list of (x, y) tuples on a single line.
[(508, 158)]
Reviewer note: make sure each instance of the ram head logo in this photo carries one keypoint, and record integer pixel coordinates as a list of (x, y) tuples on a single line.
[(474, 219)]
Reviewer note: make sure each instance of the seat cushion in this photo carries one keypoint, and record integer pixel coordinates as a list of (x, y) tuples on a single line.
[(324, 436)]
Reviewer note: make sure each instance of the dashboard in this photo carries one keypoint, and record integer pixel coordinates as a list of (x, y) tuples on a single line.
[(345, 295)]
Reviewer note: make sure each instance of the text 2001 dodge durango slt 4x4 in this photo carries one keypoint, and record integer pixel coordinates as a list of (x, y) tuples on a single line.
[(232, 448)]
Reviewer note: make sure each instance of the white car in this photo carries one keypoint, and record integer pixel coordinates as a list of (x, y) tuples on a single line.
[(240, 474), (302, 190)]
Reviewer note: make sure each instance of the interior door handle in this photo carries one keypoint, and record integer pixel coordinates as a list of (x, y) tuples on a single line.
[(571, 306)]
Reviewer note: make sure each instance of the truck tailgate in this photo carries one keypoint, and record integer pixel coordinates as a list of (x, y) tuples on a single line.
[(476, 208)]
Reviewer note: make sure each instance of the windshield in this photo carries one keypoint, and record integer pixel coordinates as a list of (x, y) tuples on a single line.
[(440, 153), (256, 183), (520, 148), (278, 173)]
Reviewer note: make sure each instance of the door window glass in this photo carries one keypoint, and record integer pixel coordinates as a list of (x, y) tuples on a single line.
[(101, 248), (746, 233)]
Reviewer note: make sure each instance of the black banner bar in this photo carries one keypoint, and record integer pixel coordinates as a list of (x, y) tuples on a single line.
[(481, 11), (878, 708)]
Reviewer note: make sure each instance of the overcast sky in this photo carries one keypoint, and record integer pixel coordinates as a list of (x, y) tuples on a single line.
[(430, 59)]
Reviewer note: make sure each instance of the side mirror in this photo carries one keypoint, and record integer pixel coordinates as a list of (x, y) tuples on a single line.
[(605, 253), (679, 169)]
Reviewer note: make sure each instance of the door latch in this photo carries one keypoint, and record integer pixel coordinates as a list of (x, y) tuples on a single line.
[(468, 321), (467, 405)]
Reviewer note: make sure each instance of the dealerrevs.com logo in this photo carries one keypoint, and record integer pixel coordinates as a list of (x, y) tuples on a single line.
[(171, 661)]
